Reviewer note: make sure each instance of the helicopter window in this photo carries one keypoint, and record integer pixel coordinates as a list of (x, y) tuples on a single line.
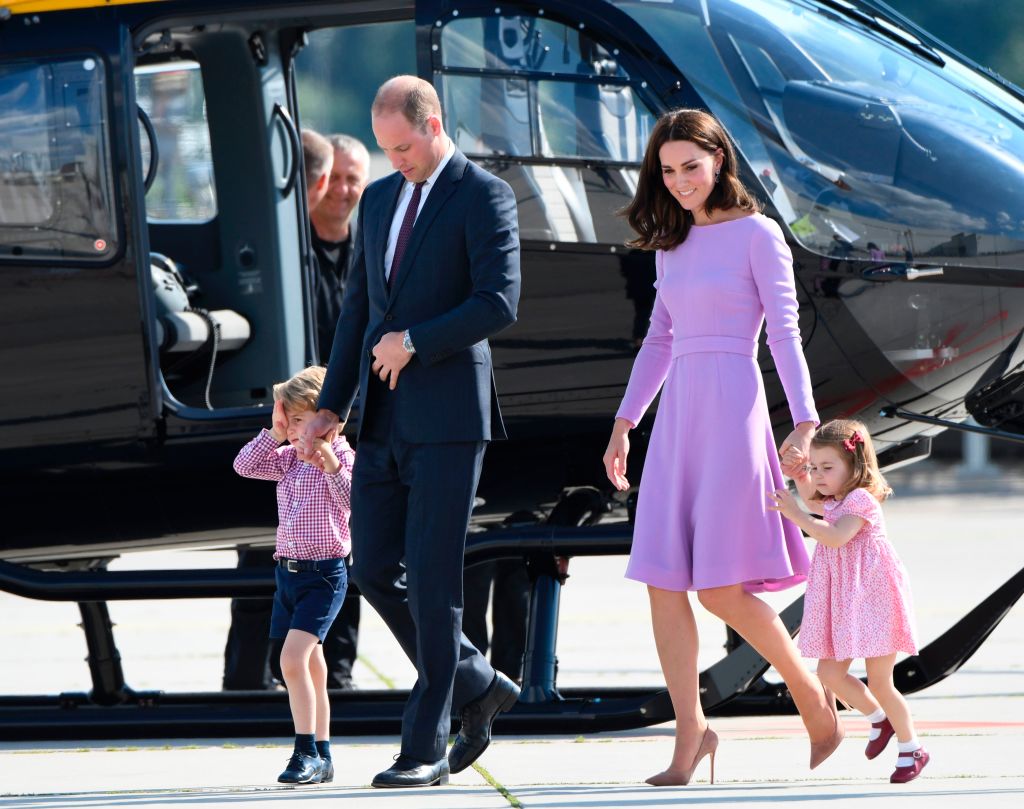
[(552, 112), (183, 187), (56, 189), (867, 149)]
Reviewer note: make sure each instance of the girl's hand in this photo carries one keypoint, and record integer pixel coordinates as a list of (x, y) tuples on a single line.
[(615, 455), (323, 457), (795, 451), (784, 503), (279, 422)]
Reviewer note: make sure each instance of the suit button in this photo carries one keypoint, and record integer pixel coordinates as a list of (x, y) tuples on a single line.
[(389, 317)]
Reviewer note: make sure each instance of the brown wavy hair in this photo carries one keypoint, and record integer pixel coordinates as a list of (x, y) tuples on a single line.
[(660, 222), (862, 462), (302, 391)]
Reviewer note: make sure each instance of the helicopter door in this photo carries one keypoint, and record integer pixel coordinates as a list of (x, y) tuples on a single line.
[(221, 157), (70, 369)]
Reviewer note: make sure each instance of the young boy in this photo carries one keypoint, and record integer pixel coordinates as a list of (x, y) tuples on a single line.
[(313, 503)]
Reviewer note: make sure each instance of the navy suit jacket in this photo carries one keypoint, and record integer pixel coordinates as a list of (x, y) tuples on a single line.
[(457, 286)]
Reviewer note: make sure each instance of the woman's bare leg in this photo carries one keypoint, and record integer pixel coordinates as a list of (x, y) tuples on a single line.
[(761, 627), (675, 635)]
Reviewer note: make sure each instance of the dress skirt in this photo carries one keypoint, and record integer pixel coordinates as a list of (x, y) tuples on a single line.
[(702, 519)]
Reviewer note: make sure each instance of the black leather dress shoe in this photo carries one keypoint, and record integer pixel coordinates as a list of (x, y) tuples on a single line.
[(411, 772), (326, 771), (477, 718), (301, 770)]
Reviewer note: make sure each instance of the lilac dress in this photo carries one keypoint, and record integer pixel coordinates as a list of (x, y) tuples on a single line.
[(702, 518)]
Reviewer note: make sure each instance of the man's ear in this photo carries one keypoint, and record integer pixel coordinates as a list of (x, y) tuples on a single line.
[(322, 182)]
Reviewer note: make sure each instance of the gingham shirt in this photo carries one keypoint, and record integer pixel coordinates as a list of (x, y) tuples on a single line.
[(312, 506)]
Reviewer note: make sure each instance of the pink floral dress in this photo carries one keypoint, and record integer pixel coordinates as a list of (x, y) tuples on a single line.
[(858, 601)]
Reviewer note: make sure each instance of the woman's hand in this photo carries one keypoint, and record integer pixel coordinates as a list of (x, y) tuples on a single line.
[(795, 451), (615, 455)]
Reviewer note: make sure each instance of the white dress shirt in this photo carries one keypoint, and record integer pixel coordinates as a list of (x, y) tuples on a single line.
[(403, 204)]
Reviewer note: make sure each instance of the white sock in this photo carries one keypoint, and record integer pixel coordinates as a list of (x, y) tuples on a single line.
[(874, 719), (907, 747)]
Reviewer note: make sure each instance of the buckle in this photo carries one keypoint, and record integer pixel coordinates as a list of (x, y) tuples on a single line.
[(292, 565)]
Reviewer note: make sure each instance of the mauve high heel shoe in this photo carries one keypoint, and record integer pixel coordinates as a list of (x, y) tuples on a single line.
[(669, 778), (826, 747)]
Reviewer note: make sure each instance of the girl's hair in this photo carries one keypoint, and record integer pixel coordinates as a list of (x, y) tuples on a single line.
[(302, 391), (660, 222), (852, 441)]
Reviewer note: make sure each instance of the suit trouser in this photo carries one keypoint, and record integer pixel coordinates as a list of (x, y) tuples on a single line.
[(410, 510)]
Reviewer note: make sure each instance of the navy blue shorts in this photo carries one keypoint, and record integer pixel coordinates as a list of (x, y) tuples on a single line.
[(308, 599)]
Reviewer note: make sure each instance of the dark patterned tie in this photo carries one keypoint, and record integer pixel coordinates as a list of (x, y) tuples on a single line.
[(404, 233)]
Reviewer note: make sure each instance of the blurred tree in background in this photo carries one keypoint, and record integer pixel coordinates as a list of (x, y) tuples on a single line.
[(339, 72), (988, 31)]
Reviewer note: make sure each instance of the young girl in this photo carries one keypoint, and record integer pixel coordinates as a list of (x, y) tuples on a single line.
[(858, 600)]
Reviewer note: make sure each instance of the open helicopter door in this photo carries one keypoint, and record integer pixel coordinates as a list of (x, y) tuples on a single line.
[(71, 374), (220, 162)]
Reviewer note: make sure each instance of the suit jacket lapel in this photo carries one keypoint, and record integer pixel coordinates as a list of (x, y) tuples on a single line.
[(384, 226), (444, 188)]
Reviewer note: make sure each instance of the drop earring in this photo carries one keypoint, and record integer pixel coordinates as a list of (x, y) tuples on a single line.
[(717, 172)]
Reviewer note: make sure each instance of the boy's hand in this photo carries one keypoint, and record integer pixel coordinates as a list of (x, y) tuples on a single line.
[(323, 456), (279, 422), (325, 425), (784, 502)]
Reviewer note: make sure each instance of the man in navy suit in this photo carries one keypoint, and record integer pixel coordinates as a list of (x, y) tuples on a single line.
[(435, 273)]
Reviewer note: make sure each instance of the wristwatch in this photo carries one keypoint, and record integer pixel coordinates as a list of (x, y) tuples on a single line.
[(407, 343)]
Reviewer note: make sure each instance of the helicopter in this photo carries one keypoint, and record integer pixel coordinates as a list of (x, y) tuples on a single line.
[(155, 269)]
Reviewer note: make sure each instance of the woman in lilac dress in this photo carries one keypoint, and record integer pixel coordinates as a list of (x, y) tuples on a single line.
[(702, 522)]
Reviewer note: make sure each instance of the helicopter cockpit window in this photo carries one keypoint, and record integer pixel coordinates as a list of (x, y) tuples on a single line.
[(56, 189), (551, 111), (867, 149), (171, 96)]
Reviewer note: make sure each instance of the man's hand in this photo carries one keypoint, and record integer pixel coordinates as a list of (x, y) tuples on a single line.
[(389, 358), (324, 426)]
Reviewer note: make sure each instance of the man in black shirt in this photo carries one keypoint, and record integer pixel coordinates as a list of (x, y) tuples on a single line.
[(331, 220)]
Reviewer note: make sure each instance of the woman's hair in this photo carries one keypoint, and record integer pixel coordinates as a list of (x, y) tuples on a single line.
[(852, 441), (660, 222), (302, 391)]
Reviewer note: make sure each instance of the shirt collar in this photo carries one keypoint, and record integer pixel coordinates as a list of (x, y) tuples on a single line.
[(440, 166)]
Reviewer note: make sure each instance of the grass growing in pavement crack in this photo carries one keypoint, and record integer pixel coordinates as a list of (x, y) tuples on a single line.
[(380, 675), (513, 801)]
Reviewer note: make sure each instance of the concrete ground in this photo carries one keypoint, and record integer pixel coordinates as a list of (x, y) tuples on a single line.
[(960, 539)]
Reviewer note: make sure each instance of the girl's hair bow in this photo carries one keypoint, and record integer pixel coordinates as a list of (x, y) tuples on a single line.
[(851, 443)]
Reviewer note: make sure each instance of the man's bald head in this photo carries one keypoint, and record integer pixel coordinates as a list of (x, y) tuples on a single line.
[(411, 96)]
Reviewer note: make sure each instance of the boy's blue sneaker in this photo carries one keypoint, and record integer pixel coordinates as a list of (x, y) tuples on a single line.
[(301, 770), (326, 771)]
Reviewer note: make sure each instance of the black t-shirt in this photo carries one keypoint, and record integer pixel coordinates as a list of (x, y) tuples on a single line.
[(330, 271)]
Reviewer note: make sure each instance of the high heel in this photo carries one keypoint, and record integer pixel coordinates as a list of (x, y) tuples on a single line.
[(825, 748), (672, 778)]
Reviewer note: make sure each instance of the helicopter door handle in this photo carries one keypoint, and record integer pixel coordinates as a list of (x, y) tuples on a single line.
[(909, 273), (288, 181), (154, 150)]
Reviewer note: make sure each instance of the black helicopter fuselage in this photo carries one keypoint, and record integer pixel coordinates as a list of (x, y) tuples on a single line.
[(118, 434)]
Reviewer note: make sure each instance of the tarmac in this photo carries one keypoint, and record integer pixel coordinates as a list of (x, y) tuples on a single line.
[(960, 539)]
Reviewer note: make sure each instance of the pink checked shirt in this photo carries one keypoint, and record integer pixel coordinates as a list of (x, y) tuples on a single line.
[(312, 506)]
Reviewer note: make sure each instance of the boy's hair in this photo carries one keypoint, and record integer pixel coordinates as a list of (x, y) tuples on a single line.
[(851, 439), (302, 391)]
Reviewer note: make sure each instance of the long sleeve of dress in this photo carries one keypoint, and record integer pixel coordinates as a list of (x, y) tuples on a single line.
[(261, 458), (772, 265), (652, 361)]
